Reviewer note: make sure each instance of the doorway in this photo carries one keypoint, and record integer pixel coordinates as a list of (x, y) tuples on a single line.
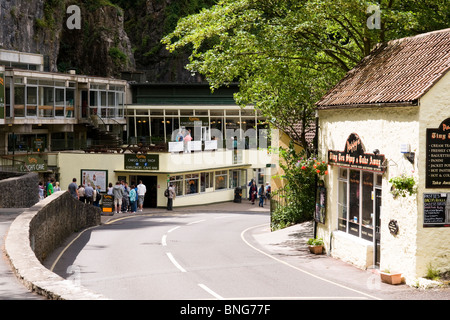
[(150, 182), (377, 222)]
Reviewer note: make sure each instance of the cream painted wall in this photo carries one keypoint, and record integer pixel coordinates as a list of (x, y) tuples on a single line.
[(432, 243)]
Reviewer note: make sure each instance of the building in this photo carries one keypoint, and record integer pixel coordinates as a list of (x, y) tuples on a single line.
[(389, 117), (102, 130)]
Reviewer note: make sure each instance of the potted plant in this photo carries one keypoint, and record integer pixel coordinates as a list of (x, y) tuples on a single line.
[(315, 245), (391, 277), (403, 185)]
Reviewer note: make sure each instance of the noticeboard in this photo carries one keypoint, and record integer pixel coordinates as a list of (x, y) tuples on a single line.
[(436, 210), (141, 162)]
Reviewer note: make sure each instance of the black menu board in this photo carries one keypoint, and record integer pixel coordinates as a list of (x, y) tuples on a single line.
[(435, 209), (438, 156)]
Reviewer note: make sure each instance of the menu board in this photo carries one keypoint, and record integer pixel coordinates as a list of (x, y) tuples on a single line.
[(438, 156), (436, 208)]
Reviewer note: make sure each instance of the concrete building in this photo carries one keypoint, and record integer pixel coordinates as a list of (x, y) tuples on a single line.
[(389, 117)]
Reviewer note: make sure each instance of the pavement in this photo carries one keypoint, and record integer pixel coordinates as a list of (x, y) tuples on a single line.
[(287, 245)]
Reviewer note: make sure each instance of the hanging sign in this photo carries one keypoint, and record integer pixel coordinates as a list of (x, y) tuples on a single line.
[(354, 156), (437, 173)]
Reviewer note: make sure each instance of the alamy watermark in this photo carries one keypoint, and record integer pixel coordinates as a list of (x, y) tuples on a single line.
[(374, 21), (74, 20)]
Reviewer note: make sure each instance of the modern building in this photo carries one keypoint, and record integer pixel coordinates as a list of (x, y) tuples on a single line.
[(102, 130), (389, 118)]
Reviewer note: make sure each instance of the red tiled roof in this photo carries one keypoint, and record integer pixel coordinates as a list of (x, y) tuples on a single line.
[(400, 71)]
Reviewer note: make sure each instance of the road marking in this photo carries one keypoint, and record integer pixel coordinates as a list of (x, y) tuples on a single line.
[(194, 222), (173, 229), (201, 285), (163, 240), (175, 262), (296, 268)]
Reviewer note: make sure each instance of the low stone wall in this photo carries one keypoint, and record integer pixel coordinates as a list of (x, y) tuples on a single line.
[(40, 230), (19, 191)]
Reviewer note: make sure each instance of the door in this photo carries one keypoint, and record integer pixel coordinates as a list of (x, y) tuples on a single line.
[(150, 182), (377, 222)]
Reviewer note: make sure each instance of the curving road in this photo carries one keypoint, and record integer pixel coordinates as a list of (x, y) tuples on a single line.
[(187, 256)]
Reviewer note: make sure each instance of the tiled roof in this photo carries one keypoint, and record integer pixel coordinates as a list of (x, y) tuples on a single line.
[(400, 71)]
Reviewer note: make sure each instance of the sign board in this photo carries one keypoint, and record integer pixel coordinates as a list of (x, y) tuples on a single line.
[(176, 146), (108, 203), (437, 171), (210, 144), (95, 178), (194, 121), (33, 163), (355, 157), (436, 210), (2, 97), (141, 162)]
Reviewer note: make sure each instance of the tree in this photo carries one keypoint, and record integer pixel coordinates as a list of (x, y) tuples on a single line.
[(286, 54)]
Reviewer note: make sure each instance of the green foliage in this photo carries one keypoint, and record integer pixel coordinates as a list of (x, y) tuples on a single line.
[(403, 185), (300, 173), (117, 56), (315, 242)]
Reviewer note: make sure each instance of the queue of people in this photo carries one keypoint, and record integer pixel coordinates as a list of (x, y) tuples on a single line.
[(262, 193)]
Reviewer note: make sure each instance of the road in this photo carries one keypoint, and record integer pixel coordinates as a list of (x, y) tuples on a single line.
[(187, 256)]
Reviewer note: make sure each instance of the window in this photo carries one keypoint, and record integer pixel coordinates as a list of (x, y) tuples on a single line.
[(206, 181), (177, 182), (356, 190), (221, 179), (191, 183)]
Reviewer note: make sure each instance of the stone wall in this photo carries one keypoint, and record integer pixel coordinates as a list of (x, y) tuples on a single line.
[(19, 191), (57, 219)]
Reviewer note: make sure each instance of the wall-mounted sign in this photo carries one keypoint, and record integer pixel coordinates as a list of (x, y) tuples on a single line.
[(436, 209), (141, 162), (33, 163), (437, 173), (393, 227), (95, 178), (354, 156)]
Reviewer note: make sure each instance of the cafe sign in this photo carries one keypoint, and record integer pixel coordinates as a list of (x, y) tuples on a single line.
[(354, 156), (437, 173)]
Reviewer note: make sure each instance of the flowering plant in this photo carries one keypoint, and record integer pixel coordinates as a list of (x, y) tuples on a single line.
[(313, 166), (402, 185)]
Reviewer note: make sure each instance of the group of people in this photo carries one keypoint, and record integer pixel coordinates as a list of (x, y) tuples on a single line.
[(85, 193), (47, 189), (127, 198), (262, 193)]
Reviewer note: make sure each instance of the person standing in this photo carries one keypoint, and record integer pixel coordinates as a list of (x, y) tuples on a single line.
[(261, 196), (81, 196), (253, 192), (50, 187), (141, 191), (97, 196), (125, 198), (133, 202), (170, 197), (41, 190), (57, 187), (89, 193), (118, 195), (73, 188)]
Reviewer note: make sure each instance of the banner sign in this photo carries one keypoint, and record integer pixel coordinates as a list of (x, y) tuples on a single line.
[(437, 173), (141, 162), (355, 157)]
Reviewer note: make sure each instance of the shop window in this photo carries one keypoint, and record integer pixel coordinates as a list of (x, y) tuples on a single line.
[(221, 178), (192, 183), (356, 190), (206, 181), (177, 182)]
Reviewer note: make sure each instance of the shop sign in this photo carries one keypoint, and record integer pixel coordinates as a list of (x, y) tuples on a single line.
[(355, 157), (141, 162), (436, 210), (33, 164), (194, 122), (437, 173)]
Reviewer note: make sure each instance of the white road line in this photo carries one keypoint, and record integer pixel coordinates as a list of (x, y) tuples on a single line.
[(215, 295), (296, 268), (195, 222), (163, 240), (175, 262), (173, 229)]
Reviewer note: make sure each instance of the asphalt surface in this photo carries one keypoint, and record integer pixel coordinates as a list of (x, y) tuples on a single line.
[(287, 245)]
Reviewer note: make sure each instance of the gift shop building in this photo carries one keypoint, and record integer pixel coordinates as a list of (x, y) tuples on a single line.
[(388, 118)]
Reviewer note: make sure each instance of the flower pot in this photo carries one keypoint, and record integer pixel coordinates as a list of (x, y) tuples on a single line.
[(316, 249), (391, 278)]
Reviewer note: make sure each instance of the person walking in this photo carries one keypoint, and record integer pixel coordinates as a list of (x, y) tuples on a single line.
[(118, 195), (170, 197), (261, 196), (253, 192), (141, 191), (133, 196), (73, 188)]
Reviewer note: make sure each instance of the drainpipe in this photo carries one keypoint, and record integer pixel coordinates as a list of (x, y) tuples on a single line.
[(316, 153)]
